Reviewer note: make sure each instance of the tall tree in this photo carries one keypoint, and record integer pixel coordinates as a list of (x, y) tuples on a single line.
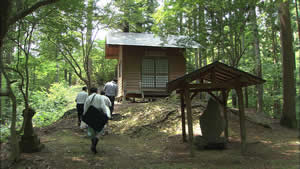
[(8, 18), (74, 40), (134, 15), (288, 118), (258, 68)]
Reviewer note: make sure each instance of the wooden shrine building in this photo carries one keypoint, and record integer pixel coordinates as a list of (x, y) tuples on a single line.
[(214, 77), (146, 63)]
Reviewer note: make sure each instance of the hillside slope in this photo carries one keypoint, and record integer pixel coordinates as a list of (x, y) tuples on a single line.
[(148, 135)]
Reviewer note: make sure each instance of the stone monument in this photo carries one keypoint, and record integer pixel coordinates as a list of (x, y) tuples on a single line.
[(212, 125), (29, 141)]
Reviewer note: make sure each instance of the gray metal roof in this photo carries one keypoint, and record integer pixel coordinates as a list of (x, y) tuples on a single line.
[(145, 39)]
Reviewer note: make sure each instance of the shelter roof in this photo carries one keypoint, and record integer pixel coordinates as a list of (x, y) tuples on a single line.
[(215, 76)]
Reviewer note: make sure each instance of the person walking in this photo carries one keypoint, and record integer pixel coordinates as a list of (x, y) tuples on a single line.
[(111, 91), (106, 129), (80, 100), (98, 102), (106, 99)]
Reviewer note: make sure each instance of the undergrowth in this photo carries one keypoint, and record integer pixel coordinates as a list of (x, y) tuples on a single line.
[(49, 105)]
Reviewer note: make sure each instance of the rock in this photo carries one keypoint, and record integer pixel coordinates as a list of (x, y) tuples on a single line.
[(212, 125)]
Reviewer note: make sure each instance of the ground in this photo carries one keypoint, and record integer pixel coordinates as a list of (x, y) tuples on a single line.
[(148, 135)]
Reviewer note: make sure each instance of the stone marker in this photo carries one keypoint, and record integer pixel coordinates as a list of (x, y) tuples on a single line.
[(30, 142), (212, 125)]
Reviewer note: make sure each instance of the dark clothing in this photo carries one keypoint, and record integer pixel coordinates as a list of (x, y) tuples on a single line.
[(112, 100), (96, 119), (79, 108)]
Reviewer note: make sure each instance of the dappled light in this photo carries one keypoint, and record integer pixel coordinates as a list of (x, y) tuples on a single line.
[(78, 159), (149, 134)]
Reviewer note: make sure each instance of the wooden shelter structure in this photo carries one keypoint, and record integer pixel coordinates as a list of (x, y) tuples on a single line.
[(214, 77), (146, 62)]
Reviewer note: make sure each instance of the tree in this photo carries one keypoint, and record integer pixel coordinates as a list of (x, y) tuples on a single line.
[(133, 15), (29, 140), (288, 117), (7, 19), (258, 68), (74, 41)]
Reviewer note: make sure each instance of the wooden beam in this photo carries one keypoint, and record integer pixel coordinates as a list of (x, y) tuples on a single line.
[(229, 84), (200, 90), (182, 117), (224, 105), (219, 86), (213, 76), (242, 118), (194, 94), (189, 119)]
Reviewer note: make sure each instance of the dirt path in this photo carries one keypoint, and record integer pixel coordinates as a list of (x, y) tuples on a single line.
[(67, 146)]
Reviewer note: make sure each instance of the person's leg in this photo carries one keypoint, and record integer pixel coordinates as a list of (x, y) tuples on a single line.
[(94, 139), (111, 107), (78, 113), (81, 107), (112, 104)]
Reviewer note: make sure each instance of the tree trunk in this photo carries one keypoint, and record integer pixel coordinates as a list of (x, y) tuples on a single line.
[(5, 8), (288, 117), (15, 152), (66, 75), (258, 68), (276, 89), (1, 99), (70, 78), (89, 43), (6, 20), (14, 139), (298, 24), (33, 77), (298, 21), (276, 61)]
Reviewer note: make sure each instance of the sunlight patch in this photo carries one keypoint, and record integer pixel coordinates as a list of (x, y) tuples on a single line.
[(78, 159), (294, 143), (266, 142)]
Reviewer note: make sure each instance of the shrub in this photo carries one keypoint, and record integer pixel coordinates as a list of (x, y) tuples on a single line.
[(50, 106)]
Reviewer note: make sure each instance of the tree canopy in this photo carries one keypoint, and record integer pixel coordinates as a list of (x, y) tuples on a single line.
[(50, 45)]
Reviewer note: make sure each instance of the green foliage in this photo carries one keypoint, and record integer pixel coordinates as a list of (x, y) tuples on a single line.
[(51, 105), (103, 69), (4, 133), (134, 14)]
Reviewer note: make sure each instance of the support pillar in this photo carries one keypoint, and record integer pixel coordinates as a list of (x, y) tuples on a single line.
[(189, 118), (182, 117), (242, 118), (224, 106)]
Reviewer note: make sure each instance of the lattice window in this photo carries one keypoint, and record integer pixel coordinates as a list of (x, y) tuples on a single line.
[(154, 73)]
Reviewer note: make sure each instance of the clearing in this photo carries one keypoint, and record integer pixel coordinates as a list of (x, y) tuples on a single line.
[(148, 135)]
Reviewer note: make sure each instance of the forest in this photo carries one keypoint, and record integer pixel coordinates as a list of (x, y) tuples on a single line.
[(49, 49)]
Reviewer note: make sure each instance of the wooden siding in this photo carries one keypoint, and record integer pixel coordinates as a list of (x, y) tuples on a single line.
[(131, 61), (177, 63), (120, 78), (132, 68)]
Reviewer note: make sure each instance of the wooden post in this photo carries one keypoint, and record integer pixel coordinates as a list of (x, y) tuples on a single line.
[(182, 117), (224, 105), (242, 118), (189, 118), (124, 92)]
